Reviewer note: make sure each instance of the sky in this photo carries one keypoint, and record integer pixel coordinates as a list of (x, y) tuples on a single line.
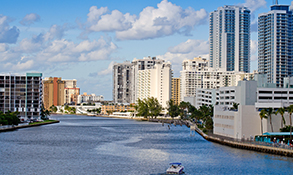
[(81, 40)]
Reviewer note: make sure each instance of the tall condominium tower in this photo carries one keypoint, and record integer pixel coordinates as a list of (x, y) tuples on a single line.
[(230, 38), (53, 92), (142, 78), (22, 93), (275, 47)]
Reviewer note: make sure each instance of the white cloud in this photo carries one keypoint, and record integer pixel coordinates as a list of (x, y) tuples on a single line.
[(186, 50), (30, 19), (253, 50), (164, 20), (3, 47), (55, 32), (7, 34), (254, 5), (107, 71)]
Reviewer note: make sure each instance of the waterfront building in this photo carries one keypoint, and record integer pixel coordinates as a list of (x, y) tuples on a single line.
[(123, 82), (196, 74), (22, 93), (275, 50), (176, 90), (91, 98), (154, 80), (53, 93), (71, 92), (245, 121), (229, 38), (142, 78), (116, 108)]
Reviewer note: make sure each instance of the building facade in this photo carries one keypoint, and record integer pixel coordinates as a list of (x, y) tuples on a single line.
[(71, 92), (196, 74), (275, 49), (91, 98), (53, 92), (22, 93), (176, 90), (229, 38), (142, 78), (123, 82)]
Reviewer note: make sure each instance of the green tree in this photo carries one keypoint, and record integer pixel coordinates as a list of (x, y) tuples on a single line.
[(154, 106), (142, 108), (173, 109), (290, 111), (282, 111), (53, 109), (44, 113), (269, 112), (183, 108), (235, 106), (262, 115)]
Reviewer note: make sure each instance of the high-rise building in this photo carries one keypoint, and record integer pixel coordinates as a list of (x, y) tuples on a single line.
[(176, 90), (22, 93), (275, 49), (53, 92), (142, 78), (71, 92), (196, 74), (123, 83), (230, 38)]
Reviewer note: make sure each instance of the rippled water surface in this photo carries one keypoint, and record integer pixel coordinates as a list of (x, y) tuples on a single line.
[(94, 145)]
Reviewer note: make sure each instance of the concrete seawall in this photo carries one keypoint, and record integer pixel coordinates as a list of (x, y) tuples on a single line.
[(234, 144), (26, 126)]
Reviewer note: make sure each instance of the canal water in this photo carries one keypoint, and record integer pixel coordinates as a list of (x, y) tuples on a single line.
[(95, 145)]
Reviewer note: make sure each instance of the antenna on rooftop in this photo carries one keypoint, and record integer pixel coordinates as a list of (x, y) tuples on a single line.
[(277, 2)]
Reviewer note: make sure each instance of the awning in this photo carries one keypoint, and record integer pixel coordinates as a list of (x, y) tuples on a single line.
[(277, 133)]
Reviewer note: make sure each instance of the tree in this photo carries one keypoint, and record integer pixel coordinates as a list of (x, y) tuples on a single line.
[(282, 111), (290, 111), (173, 109), (44, 113), (269, 112), (183, 106), (235, 106), (142, 108), (154, 106), (53, 109), (262, 115)]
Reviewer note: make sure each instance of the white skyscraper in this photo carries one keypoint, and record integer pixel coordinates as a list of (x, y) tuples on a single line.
[(230, 38), (275, 49)]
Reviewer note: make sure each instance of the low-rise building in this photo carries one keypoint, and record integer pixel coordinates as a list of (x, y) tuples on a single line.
[(116, 108), (85, 98)]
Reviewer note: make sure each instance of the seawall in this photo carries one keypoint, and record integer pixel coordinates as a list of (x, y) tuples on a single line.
[(26, 126)]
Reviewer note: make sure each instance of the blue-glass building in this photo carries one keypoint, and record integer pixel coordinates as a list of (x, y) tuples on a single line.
[(230, 38), (275, 43)]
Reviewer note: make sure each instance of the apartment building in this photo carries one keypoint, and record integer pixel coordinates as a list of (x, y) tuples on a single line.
[(176, 90), (116, 108), (275, 50), (53, 92), (229, 38), (71, 91), (22, 93), (91, 98), (196, 74)]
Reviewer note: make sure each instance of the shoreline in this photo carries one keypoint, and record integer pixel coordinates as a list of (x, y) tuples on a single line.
[(26, 126)]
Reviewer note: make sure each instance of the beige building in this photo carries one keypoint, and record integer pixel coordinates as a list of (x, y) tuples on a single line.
[(176, 90), (53, 92), (116, 108), (71, 92)]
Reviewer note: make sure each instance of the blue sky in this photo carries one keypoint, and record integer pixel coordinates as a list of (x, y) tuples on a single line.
[(82, 39)]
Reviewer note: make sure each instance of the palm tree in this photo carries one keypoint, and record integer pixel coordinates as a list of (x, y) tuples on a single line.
[(282, 111), (235, 106), (290, 111), (269, 114), (262, 115)]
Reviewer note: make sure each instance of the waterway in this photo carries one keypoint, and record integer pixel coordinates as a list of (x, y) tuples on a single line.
[(96, 145)]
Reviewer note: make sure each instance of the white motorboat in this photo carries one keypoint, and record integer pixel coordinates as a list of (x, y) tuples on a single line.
[(175, 168)]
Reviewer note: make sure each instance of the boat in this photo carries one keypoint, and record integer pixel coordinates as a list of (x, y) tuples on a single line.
[(175, 168)]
